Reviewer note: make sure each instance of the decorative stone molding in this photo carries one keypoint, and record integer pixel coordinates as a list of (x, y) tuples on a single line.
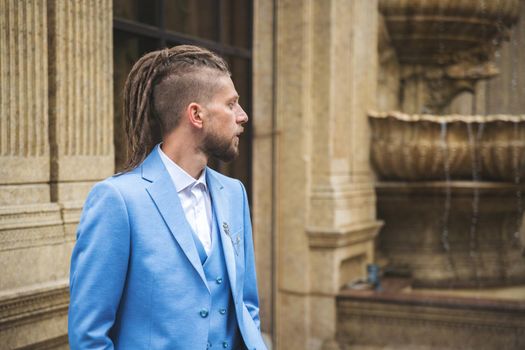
[(71, 212), (445, 46), (337, 204), (447, 31), (30, 225), (438, 85), (406, 320), (25, 306), (329, 238), (455, 147), (56, 343)]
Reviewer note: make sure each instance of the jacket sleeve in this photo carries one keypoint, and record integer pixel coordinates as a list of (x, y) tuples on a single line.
[(98, 268), (250, 295)]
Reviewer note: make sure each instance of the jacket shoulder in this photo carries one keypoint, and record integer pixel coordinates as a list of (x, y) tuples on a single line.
[(124, 183)]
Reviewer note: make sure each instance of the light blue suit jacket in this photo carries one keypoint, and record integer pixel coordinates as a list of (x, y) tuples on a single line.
[(136, 279)]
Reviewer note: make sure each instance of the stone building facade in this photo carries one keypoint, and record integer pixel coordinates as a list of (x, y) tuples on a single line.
[(56, 140), (316, 69)]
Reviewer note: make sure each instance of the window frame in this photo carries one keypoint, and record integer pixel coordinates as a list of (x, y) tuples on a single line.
[(165, 37)]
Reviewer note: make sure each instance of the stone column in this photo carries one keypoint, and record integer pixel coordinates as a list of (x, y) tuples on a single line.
[(55, 141), (341, 225), (326, 82), (33, 259), (264, 167), (80, 101), (81, 98), (24, 148), (293, 124)]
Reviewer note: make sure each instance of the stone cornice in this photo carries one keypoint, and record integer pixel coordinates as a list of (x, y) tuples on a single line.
[(331, 238), (30, 225), (456, 311), (27, 305), (33, 225), (29, 215), (50, 344)]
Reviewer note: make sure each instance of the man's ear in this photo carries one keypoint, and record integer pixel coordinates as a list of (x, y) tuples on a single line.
[(194, 113)]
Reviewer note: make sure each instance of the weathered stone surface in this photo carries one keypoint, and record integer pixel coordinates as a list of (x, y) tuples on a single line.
[(445, 47), (325, 199), (452, 234), (263, 163), (81, 99), (445, 31), (24, 149), (35, 318), (55, 142), (368, 320), (409, 147)]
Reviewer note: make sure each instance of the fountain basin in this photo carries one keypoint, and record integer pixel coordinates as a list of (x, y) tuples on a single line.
[(443, 31), (452, 235), (408, 147)]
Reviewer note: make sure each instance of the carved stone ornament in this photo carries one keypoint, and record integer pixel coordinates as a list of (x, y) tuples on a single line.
[(447, 31), (438, 85), (445, 46)]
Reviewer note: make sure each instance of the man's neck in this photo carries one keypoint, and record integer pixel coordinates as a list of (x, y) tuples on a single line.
[(192, 160)]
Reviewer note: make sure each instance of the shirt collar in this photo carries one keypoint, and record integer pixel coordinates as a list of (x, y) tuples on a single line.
[(179, 176)]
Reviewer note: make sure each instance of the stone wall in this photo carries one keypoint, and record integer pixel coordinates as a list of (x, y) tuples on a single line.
[(55, 142)]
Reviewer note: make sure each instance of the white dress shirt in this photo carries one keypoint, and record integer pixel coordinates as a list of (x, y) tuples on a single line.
[(194, 197)]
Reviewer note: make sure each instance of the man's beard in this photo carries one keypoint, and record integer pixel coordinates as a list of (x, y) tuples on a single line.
[(221, 148)]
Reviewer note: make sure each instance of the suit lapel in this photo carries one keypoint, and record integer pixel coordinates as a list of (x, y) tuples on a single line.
[(221, 208), (163, 193)]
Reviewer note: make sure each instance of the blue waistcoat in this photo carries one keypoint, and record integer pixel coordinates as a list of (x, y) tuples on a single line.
[(224, 332)]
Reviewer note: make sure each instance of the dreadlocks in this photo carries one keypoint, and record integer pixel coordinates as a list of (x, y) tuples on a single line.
[(159, 87)]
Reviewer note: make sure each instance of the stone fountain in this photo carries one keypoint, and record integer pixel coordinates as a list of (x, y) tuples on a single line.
[(458, 177), (445, 46), (450, 190), (450, 194)]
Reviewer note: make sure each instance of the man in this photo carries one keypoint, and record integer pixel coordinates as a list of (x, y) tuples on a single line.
[(164, 253)]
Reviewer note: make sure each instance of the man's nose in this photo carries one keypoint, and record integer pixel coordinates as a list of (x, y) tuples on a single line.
[(242, 117)]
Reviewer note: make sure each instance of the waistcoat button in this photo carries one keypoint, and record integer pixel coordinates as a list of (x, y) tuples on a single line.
[(203, 313)]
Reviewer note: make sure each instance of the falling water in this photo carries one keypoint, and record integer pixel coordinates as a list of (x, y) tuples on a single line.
[(473, 239), (515, 151), (446, 214), (517, 181), (448, 194)]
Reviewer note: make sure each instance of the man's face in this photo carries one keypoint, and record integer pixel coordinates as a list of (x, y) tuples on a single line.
[(222, 121)]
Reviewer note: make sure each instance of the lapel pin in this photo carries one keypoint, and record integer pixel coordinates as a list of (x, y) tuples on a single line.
[(227, 231)]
